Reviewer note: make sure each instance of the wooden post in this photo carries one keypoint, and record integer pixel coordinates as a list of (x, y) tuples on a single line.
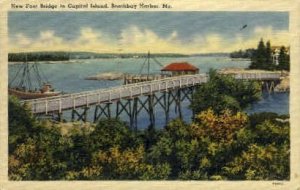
[(108, 110), (131, 92), (85, 114), (267, 87), (60, 115), (74, 99), (99, 98), (168, 104), (87, 100), (166, 107), (151, 111), (59, 109), (96, 113), (131, 113), (117, 110), (135, 113), (178, 97), (73, 115), (46, 106)]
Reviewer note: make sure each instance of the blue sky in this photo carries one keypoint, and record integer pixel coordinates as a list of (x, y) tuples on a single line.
[(180, 32)]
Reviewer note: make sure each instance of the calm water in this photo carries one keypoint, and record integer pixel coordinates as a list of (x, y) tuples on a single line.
[(69, 77)]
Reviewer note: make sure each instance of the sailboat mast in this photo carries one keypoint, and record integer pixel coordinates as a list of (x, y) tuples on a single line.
[(28, 74), (22, 80), (148, 71)]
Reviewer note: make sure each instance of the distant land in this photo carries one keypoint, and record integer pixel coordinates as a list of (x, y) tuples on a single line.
[(65, 56), (211, 54)]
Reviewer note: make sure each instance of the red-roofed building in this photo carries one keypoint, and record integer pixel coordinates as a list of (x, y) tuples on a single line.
[(181, 68)]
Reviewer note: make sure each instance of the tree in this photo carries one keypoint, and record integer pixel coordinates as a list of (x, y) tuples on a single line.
[(127, 164), (177, 148), (21, 123), (246, 54), (200, 150), (284, 59), (224, 92), (36, 149), (262, 57), (264, 154), (259, 57), (268, 65), (219, 144), (219, 128), (259, 162), (220, 135), (112, 132)]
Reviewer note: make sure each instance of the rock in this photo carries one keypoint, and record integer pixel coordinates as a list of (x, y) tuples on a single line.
[(107, 76), (283, 120), (284, 85)]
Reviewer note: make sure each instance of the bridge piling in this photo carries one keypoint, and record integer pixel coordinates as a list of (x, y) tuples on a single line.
[(151, 110), (269, 86), (178, 103), (80, 116), (100, 111)]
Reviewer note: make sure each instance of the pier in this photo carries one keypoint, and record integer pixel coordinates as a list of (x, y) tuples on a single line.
[(131, 99), (137, 78)]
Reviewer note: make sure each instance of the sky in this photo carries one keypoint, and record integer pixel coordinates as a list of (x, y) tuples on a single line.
[(140, 32)]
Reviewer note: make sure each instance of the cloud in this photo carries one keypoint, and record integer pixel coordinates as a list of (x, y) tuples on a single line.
[(44, 42), (135, 39), (22, 41)]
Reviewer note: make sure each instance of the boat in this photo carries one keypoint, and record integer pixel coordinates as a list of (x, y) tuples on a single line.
[(28, 83), (24, 94)]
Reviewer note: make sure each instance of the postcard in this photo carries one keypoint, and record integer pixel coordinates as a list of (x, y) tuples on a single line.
[(150, 94)]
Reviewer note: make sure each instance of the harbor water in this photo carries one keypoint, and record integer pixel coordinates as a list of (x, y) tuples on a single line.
[(70, 77)]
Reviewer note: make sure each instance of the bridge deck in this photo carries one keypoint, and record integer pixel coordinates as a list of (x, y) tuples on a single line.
[(87, 98)]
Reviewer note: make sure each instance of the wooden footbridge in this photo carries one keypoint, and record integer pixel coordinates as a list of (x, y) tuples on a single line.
[(131, 99)]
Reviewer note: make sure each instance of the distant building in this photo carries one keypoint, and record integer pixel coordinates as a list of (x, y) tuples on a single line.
[(181, 68), (276, 52)]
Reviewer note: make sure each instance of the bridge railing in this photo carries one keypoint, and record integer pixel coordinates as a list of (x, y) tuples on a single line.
[(86, 98), (257, 76)]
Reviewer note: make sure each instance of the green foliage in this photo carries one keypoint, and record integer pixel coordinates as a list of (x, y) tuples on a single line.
[(111, 132), (150, 136), (219, 128), (262, 58), (266, 154), (284, 59), (267, 162), (258, 118), (224, 145), (247, 54), (268, 55), (21, 123), (36, 150), (127, 164), (38, 56), (177, 148), (224, 92)]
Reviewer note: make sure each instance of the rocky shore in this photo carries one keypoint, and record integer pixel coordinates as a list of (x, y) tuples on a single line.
[(284, 85)]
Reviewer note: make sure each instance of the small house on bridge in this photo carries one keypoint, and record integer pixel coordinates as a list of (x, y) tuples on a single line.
[(180, 68)]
